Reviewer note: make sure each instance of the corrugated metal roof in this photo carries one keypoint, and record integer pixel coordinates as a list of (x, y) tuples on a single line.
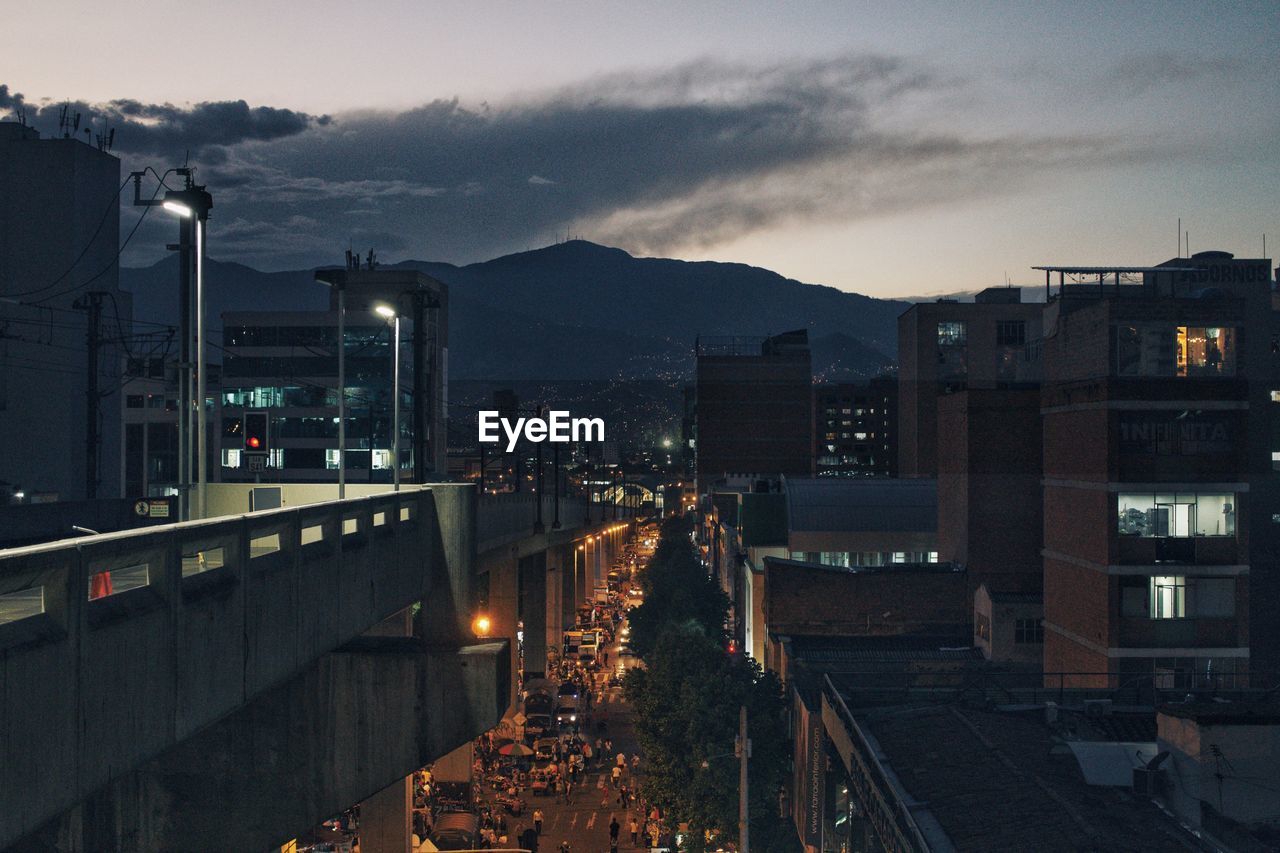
[(856, 505)]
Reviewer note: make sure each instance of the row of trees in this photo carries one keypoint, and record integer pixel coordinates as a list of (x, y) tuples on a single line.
[(687, 698)]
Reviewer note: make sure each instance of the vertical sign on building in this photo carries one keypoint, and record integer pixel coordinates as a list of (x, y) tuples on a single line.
[(815, 770)]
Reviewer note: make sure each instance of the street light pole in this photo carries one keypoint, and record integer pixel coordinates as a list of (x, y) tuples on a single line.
[(202, 388), (192, 204), (342, 389), (395, 407), (390, 313)]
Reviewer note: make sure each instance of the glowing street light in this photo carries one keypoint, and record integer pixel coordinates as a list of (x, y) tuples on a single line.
[(193, 204), (387, 312), (481, 625)]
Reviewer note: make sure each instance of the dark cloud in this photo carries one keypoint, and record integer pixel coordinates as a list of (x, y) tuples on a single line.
[(691, 156), (169, 130)]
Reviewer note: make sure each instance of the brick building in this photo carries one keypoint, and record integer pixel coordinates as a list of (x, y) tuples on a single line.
[(1158, 489), (990, 516), (949, 345), (754, 409)]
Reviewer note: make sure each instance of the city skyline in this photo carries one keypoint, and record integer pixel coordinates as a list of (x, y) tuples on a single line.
[(892, 151)]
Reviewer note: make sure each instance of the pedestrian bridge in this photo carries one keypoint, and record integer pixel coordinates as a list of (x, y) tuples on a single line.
[(314, 653)]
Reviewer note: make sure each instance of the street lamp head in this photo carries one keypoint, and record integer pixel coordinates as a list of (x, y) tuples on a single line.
[(481, 625), (384, 311), (193, 201)]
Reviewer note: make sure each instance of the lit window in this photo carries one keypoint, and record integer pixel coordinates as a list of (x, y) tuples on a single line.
[(933, 556), (331, 459), (1206, 351), (230, 457), (1176, 515), (1168, 597), (381, 459), (951, 334)]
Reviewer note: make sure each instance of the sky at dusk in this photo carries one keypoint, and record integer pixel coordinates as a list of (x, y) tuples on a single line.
[(890, 149)]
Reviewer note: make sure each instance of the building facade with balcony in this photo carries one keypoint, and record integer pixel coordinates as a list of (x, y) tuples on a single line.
[(1155, 411)]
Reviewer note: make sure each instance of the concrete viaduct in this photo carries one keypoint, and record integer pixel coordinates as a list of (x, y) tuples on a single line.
[(255, 673)]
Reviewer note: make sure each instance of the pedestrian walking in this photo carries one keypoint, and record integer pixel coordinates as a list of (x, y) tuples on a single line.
[(614, 829), (635, 762), (617, 776), (537, 821), (635, 831)]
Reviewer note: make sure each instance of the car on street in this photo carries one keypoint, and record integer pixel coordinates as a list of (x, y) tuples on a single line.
[(567, 714)]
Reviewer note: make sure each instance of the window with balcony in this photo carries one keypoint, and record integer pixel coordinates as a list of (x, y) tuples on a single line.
[(1180, 597), (1168, 597), (1206, 351), (1181, 514), (1156, 349)]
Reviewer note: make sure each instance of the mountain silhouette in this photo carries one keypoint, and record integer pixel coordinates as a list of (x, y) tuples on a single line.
[(578, 310)]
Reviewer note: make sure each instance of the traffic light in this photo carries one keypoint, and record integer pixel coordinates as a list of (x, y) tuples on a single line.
[(255, 432)]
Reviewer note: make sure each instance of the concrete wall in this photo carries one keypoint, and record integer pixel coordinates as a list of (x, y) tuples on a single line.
[(1250, 758), (350, 728), (92, 689)]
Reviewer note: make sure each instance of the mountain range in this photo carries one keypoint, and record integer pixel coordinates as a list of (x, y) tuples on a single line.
[(578, 310)]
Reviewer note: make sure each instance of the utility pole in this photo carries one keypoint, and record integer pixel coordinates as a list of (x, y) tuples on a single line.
[(537, 482), (91, 302), (420, 397), (555, 471), (744, 752)]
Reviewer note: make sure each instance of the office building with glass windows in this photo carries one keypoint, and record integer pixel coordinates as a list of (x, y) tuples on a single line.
[(1159, 512), (286, 364), (856, 428)]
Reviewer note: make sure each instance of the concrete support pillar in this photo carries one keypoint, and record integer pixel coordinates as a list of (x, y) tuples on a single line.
[(456, 766), (386, 819), (446, 613), (560, 607), (504, 607), (533, 611)]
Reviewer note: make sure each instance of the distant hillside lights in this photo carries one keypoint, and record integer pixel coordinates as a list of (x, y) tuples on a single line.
[(557, 427)]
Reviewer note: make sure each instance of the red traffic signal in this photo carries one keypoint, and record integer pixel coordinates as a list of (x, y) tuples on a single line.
[(255, 432)]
